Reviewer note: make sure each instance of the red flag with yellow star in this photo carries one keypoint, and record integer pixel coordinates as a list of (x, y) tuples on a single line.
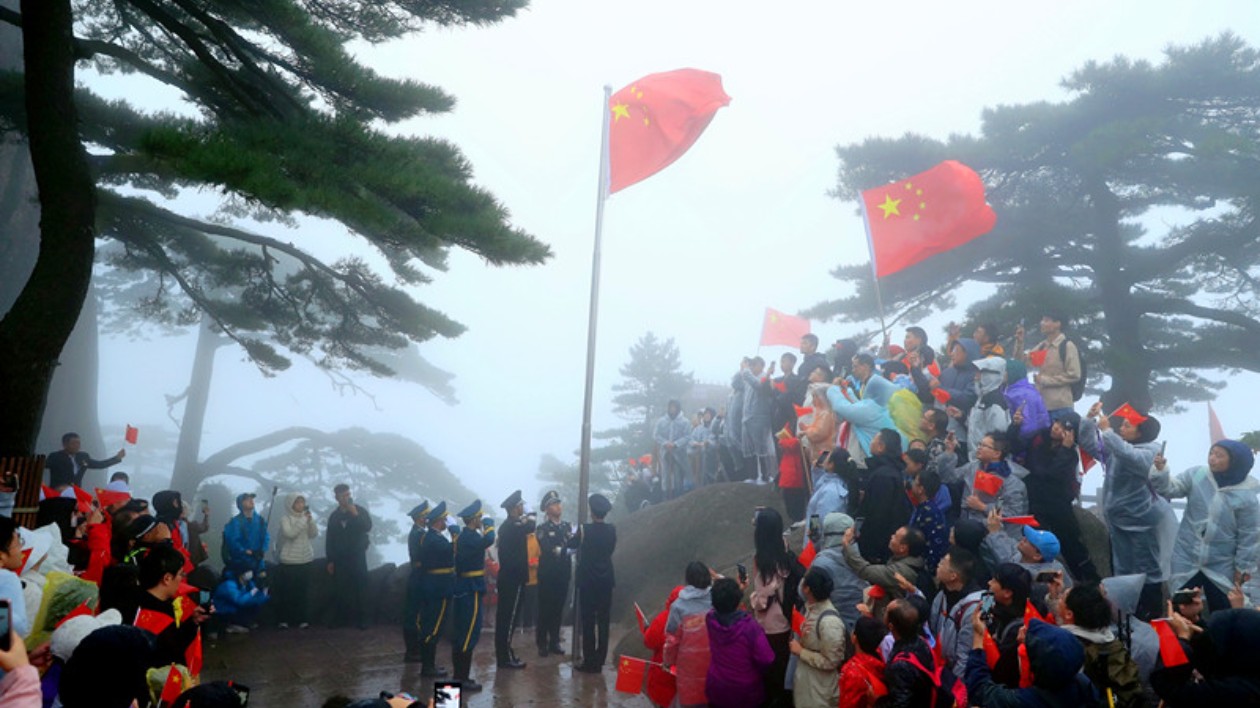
[(656, 119), (932, 212), (778, 328)]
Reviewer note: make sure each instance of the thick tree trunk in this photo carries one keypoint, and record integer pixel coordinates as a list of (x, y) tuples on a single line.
[(72, 398), (188, 473), (35, 329), (1125, 354)]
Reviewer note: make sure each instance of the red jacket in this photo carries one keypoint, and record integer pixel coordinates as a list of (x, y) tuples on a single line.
[(860, 675), (791, 467)]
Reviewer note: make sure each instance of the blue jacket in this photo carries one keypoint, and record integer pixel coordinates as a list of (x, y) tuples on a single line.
[(240, 535), (1055, 658), (231, 598)]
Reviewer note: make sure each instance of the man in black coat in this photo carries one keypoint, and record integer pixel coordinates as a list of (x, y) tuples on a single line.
[(553, 574), (513, 574), (414, 602), (595, 542), (68, 465), (346, 546)]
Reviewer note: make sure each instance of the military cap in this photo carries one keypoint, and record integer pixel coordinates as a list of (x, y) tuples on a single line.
[(600, 506), (437, 512), (422, 509), (513, 500), (552, 497), (471, 510)]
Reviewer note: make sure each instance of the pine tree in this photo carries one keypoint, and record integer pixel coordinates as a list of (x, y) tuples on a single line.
[(650, 379)]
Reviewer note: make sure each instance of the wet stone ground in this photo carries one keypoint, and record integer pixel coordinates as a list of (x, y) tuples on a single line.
[(301, 668)]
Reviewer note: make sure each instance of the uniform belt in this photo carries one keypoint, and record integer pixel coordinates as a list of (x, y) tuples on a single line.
[(440, 571), (473, 574)]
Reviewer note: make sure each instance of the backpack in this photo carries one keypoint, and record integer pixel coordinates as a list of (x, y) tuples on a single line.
[(1111, 669), (1078, 386), (949, 691)]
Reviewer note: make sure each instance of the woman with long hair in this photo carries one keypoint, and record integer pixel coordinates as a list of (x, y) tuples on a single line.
[(776, 575)]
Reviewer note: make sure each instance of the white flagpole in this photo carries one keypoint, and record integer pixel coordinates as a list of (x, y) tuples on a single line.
[(870, 246)]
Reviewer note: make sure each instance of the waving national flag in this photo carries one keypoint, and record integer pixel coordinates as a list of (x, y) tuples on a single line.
[(786, 330)]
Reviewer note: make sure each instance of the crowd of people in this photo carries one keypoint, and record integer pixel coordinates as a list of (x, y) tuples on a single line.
[(942, 561)]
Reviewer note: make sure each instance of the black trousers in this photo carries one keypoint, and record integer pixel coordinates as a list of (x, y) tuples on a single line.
[(595, 606), (350, 593), (507, 616), (291, 586), (552, 592), (411, 614)]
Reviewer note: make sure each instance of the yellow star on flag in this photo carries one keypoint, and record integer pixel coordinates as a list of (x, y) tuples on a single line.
[(620, 110), (890, 206)]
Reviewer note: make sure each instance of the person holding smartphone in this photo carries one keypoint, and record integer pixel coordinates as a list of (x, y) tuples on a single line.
[(293, 573), (10, 584)]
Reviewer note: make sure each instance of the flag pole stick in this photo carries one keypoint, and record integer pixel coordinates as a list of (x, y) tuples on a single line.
[(584, 462), (870, 247)]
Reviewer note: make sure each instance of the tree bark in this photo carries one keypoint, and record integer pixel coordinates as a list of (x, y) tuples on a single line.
[(188, 473), (1125, 354), (36, 328), (72, 397)]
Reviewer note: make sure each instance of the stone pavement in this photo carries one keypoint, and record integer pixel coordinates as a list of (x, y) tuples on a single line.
[(301, 668)]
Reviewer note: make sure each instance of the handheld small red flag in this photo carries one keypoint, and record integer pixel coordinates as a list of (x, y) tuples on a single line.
[(193, 655), (941, 395), (990, 484), (49, 492), (645, 461), (1037, 357), (914, 219), (83, 610), (934, 369), (132, 435), (155, 622), (1170, 651), (808, 554), (802, 411), (991, 651), (798, 620), (1130, 414), (778, 328), (109, 497), (1087, 461), (1025, 668), (630, 673), (26, 556), (1028, 520), (84, 499), (655, 120), (172, 688), (643, 621)]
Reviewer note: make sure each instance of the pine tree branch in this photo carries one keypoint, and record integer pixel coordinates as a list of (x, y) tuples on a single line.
[(89, 48), (253, 446), (1169, 306)]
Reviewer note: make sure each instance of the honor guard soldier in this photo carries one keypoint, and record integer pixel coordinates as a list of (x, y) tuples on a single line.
[(513, 572), (470, 589), (595, 542), (437, 584), (553, 574), (411, 610)]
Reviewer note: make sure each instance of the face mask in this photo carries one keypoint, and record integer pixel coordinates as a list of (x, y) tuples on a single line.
[(247, 576)]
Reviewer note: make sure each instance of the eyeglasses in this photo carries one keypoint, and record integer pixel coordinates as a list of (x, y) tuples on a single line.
[(986, 445)]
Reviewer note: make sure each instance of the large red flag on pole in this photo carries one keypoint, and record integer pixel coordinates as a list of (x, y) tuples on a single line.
[(916, 218), (656, 119), (779, 328)]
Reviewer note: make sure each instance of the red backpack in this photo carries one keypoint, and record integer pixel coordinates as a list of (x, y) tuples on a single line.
[(949, 691)]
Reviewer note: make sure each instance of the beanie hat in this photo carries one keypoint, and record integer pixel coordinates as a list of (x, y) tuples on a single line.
[(71, 632)]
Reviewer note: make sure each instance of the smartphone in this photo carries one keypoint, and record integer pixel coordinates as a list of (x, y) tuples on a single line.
[(203, 598), (205, 505), (1183, 597), (1047, 576), (743, 572), (6, 624), (857, 525), (986, 606), (1163, 446), (815, 526), (446, 694)]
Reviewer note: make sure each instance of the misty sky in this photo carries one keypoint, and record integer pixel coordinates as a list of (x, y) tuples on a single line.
[(695, 253)]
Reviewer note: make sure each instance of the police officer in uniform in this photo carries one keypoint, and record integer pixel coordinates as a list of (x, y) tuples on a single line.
[(553, 574), (411, 611), (595, 542), (470, 589), (513, 573), (437, 584)]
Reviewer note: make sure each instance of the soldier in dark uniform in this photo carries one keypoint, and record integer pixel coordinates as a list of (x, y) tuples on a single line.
[(513, 573), (595, 543), (470, 589), (411, 610), (437, 584), (553, 574)]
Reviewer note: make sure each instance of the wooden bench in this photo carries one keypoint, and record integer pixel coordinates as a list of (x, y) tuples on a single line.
[(29, 474)]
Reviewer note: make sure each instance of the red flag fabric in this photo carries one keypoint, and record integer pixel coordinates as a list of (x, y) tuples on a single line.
[(1087, 460), (941, 395), (655, 120), (193, 656), (802, 411), (662, 685), (172, 688), (990, 484), (643, 620), (132, 435), (780, 386), (645, 460), (1025, 669), (934, 369), (798, 621), (1037, 357), (85, 500), (991, 651), (1027, 520), (786, 330), (26, 556), (808, 554), (932, 212), (109, 497), (83, 610), (155, 622), (630, 673), (1215, 431), (1130, 414), (1170, 651), (1031, 613), (48, 492)]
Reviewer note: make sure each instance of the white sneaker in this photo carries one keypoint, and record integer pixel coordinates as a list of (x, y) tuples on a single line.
[(304, 625), (283, 625), (237, 629)]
